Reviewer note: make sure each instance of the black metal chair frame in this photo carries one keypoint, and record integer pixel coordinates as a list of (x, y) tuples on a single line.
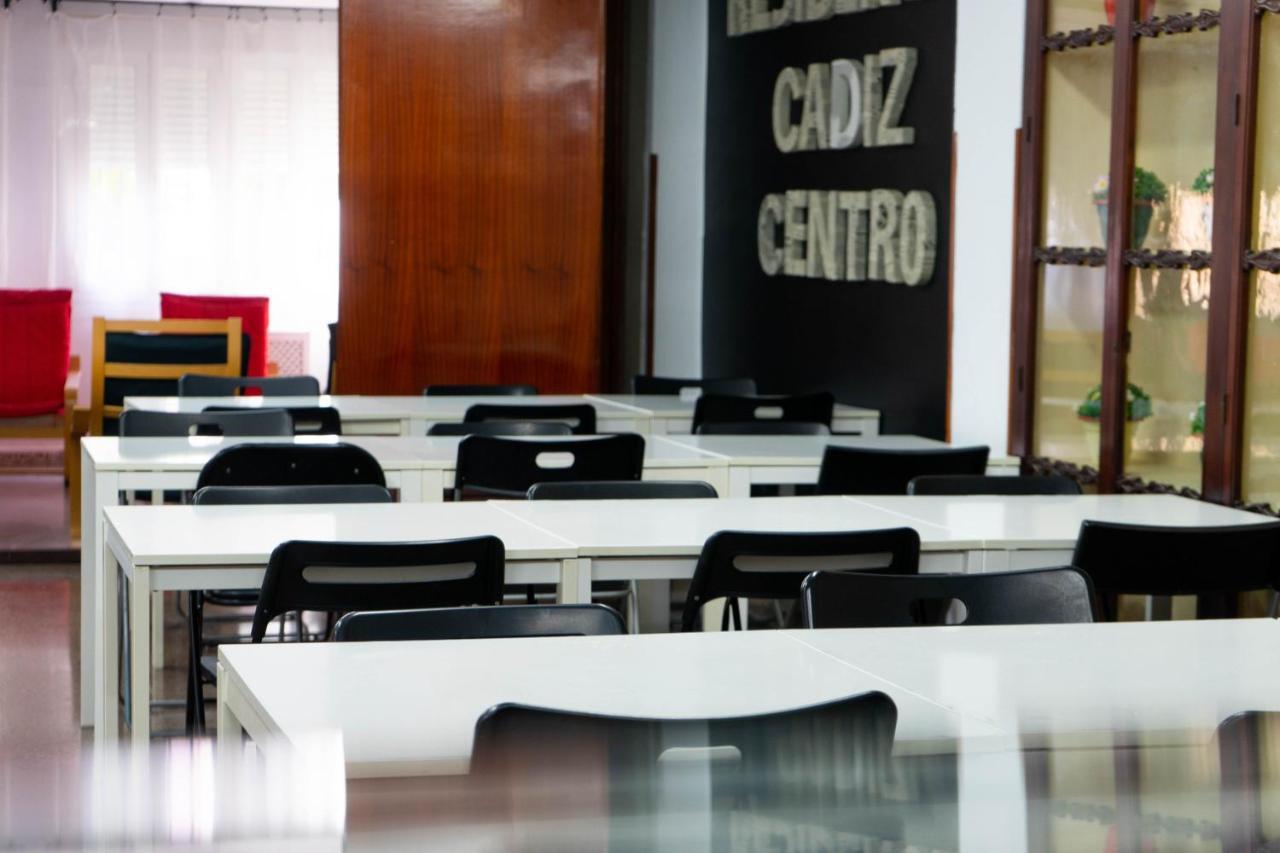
[(717, 574), (874, 471), (200, 385), (873, 600)]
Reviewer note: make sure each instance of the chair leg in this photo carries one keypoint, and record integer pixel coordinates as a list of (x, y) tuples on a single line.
[(633, 608), (195, 688)]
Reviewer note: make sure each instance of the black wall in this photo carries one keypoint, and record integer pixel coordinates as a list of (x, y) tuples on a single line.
[(873, 344)]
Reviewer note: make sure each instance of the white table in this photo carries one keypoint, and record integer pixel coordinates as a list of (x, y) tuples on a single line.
[(661, 539), (607, 540), (426, 729), (673, 414), (1028, 532), (989, 686), (1169, 682), (400, 415), (786, 459), (226, 547), (421, 468)]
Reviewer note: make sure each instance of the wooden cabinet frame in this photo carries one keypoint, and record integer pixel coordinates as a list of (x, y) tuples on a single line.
[(1240, 27)]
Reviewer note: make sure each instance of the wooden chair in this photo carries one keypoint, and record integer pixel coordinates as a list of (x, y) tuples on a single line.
[(169, 364), (137, 354)]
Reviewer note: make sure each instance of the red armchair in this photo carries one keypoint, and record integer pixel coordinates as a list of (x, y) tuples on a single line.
[(38, 376), (252, 311)]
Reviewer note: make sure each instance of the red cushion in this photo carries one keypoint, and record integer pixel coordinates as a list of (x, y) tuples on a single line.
[(252, 311), (35, 347)]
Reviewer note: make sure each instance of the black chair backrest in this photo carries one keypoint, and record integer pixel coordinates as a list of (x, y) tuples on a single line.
[(1141, 559), (738, 564), (858, 600), (868, 471), (480, 391), (581, 417), (830, 757), (813, 408), (199, 385), (508, 428), (340, 576), (481, 623), (260, 423), (304, 420), (670, 385), (597, 490), (349, 494), (980, 484), (291, 465), (763, 428), (507, 467)]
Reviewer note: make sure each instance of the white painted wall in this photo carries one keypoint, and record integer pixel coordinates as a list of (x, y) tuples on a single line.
[(678, 119), (989, 47), (988, 103)]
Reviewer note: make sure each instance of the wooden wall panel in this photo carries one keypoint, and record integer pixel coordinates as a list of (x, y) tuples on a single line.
[(471, 179)]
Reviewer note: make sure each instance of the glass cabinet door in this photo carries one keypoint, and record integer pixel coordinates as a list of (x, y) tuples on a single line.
[(1261, 464), (1071, 281), (1170, 236)]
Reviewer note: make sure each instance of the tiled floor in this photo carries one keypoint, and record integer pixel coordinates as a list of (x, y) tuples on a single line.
[(34, 519)]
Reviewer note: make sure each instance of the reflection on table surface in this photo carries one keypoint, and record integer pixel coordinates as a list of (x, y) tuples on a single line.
[(820, 787)]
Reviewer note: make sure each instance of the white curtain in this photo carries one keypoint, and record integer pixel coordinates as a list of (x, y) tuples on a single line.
[(147, 149)]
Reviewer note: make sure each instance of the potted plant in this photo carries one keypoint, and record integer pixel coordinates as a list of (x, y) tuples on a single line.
[(1148, 191), (1137, 409), (1197, 421), (1203, 186)]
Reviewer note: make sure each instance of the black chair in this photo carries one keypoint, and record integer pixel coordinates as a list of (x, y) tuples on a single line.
[(670, 385), (489, 466), (198, 385), (763, 428), (291, 465), (721, 408), (304, 420), (580, 417), (507, 428), (1214, 563), (980, 484), (345, 576), (261, 423), (866, 600), (867, 471), (344, 494), (480, 391), (621, 490), (201, 670), (737, 564), (824, 765), (480, 623)]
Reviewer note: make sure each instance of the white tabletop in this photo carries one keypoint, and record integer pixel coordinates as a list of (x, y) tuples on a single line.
[(397, 725), (367, 407), (239, 535), (796, 449), (110, 453), (1178, 678), (675, 406), (681, 527), (983, 684), (1045, 522)]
